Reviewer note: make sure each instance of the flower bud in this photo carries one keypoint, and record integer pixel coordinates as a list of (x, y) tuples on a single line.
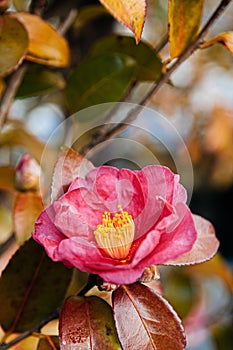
[(27, 174)]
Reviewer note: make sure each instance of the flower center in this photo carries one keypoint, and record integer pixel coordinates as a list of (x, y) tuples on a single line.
[(115, 235)]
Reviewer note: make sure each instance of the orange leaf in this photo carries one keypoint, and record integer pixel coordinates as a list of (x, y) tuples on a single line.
[(28, 206), (131, 13), (225, 38), (46, 46)]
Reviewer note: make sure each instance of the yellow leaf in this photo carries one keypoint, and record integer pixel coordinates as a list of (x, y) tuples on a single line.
[(184, 17), (131, 13), (46, 46), (225, 38), (13, 44)]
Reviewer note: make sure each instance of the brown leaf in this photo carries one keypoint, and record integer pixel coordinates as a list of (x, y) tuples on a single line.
[(28, 206), (86, 323), (46, 46), (131, 13), (204, 248), (70, 164), (184, 17), (144, 320), (13, 44), (225, 38), (7, 178)]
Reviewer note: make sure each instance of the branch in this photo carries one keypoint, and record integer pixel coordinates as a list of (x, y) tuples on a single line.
[(133, 114), (38, 6), (99, 135), (10, 92), (26, 334)]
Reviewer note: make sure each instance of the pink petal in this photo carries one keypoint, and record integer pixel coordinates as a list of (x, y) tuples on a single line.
[(178, 239), (157, 182), (78, 213), (204, 248), (46, 233)]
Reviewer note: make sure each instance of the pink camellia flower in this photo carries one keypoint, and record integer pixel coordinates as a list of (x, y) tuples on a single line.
[(114, 223)]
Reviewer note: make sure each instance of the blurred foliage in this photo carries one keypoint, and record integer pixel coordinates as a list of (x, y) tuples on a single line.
[(66, 71)]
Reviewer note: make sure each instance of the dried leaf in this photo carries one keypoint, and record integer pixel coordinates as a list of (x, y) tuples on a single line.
[(225, 39), (149, 65), (28, 206), (70, 165), (13, 44), (145, 320), (48, 343), (205, 246), (87, 323), (130, 13), (6, 224), (31, 287), (7, 178), (99, 80), (2, 87), (184, 17), (46, 46)]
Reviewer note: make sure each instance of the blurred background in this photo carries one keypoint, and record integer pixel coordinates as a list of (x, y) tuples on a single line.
[(190, 121)]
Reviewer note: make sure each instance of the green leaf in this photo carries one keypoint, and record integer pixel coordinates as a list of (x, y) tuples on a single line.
[(149, 65), (13, 44), (87, 323), (39, 81), (28, 206), (179, 291), (31, 287), (100, 79), (184, 17), (144, 320), (87, 14), (48, 343)]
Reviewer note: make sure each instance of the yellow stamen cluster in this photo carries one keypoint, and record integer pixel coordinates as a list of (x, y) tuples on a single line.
[(115, 235)]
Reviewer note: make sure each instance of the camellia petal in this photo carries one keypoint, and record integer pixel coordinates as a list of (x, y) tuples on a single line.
[(114, 223)]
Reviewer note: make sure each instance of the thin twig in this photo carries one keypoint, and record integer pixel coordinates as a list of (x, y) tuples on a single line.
[(38, 6), (10, 92), (26, 334), (98, 136), (65, 26), (133, 114)]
